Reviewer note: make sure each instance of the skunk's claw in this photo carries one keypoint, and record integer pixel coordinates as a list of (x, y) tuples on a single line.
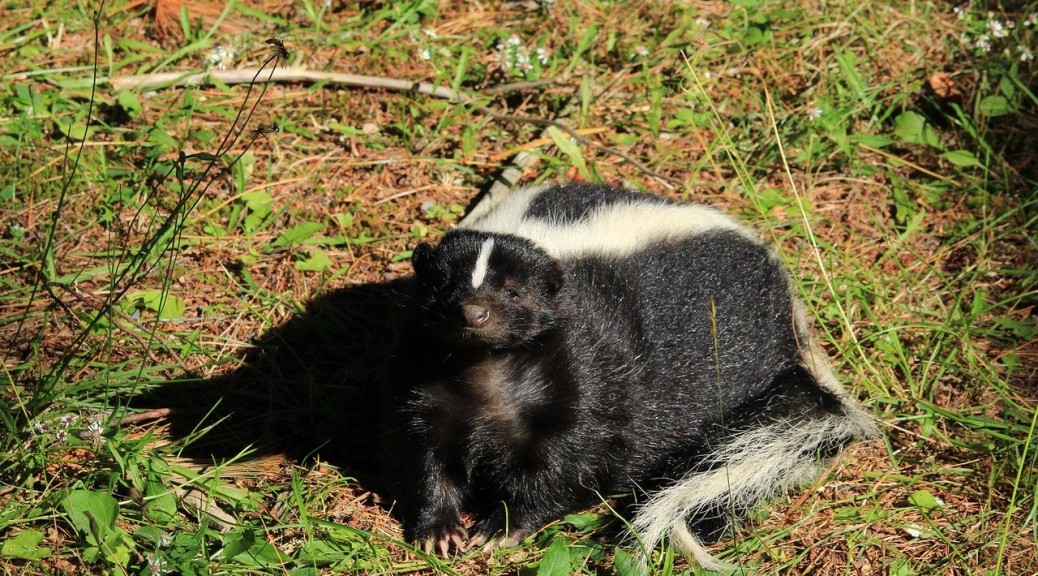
[(442, 541)]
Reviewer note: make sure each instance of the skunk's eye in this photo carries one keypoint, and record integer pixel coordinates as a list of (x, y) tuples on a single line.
[(512, 294)]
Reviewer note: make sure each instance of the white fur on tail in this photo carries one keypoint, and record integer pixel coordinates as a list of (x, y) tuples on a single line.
[(756, 465)]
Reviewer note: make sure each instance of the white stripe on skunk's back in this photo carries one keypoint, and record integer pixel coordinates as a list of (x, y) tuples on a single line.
[(617, 229)]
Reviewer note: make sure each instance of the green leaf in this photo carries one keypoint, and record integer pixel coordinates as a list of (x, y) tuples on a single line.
[(871, 140), (160, 139), (912, 127), (165, 305), (317, 262), (626, 564), (556, 561), (567, 146), (7, 192), (91, 511), (297, 234), (76, 130), (25, 545), (251, 550), (963, 158), (128, 101), (924, 500), (160, 504), (995, 105)]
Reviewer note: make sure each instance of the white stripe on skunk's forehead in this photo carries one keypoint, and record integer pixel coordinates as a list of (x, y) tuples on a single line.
[(618, 229), (480, 271)]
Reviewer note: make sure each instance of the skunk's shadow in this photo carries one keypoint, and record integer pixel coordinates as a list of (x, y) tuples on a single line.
[(309, 388)]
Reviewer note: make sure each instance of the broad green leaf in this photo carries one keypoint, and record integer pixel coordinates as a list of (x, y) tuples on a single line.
[(961, 158), (76, 130), (556, 561), (165, 307), (91, 511), (317, 262), (924, 500), (162, 140), (567, 146), (128, 101), (297, 234), (160, 504), (626, 564), (871, 140), (912, 127), (995, 106), (25, 545)]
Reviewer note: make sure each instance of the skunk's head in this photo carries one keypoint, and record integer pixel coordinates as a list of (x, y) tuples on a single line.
[(495, 290)]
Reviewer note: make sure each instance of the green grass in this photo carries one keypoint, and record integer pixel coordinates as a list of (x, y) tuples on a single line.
[(190, 311)]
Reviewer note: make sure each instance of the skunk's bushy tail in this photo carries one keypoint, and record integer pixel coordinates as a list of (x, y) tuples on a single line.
[(776, 443)]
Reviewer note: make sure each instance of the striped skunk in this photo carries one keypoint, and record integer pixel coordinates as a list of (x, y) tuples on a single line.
[(581, 341)]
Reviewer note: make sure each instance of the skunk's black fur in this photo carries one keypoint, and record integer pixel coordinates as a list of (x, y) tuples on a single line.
[(586, 341)]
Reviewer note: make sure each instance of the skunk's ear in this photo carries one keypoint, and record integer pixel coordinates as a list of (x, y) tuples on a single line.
[(427, 267), (553, 277), (421, 256)]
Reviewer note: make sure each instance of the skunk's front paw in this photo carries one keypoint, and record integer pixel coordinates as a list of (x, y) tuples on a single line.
[(489, 535), (441, 538)]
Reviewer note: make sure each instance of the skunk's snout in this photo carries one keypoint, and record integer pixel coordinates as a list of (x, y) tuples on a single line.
[(475, 315)]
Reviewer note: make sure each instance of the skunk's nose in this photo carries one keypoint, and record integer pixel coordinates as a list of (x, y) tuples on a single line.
[(475, 315)]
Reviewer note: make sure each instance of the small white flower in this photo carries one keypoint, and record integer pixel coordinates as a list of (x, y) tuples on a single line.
[(983, 43), (61, 436), (221, 58), (67, 420), (165, 539), (640, 52), (41, 427), (703, 22), (960, 12), (94, 432), (156, 566), (514, 55), (914, 531), (542, 55), (814, 113), (997, 29), (1032, 20), (429, 32), (1026, 54), (424, 54)]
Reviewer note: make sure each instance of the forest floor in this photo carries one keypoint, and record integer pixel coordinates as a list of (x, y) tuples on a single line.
[(196, 281)]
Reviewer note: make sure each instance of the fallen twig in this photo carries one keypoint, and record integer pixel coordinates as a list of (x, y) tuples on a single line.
[(177, 79)]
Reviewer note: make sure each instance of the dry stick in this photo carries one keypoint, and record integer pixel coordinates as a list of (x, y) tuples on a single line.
[(177, 79)]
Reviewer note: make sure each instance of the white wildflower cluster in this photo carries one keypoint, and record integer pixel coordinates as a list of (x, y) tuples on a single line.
[(991, 34), (221, 58), (52, 431), (424, 51), (814, 113), (516, 58)]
